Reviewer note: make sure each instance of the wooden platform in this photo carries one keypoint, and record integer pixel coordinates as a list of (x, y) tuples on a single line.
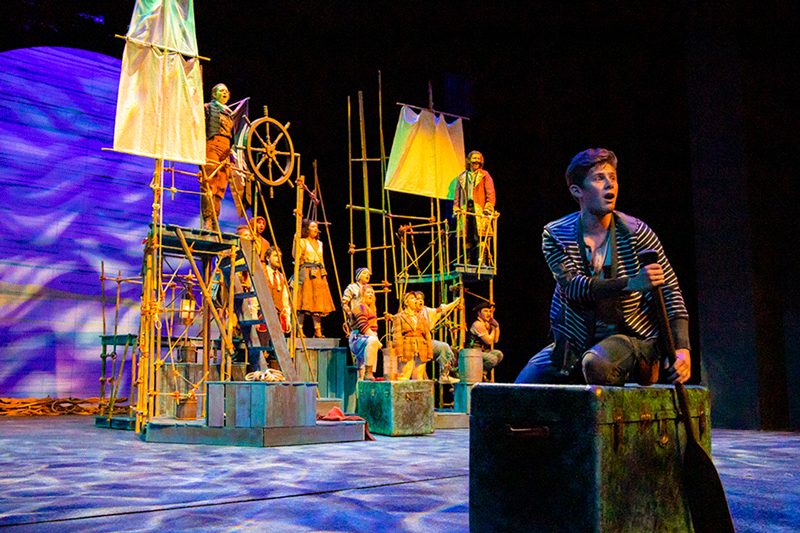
[(125, 423), (195, 432), (449, 419)]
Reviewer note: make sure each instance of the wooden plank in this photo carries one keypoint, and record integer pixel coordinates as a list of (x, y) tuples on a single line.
[(299, 394), (215, 404), (323, 359), (269, 404), (196, 434), (324, 405), (450, 420), (243, 404), (230, 404), (321, 432), (257, 404), (311, 404), (304, 371), (287, 403), (340, 363), (259, 280)]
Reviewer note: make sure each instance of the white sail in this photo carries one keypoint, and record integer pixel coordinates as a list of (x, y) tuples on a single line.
[(427, 155), (160, 98)]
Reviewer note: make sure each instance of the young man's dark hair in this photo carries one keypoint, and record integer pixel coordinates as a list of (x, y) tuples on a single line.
[(584, 162)]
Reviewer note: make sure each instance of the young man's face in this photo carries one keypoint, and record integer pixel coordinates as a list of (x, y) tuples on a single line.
[(487, 313), (261, 225), (245, 234), (598, 195), (275, 260), (363, 279)]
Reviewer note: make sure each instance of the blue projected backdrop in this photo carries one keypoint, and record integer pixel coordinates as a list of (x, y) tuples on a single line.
[(66, 206)]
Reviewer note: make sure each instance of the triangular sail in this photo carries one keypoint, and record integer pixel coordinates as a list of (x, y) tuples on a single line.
[(160, 99), (427, 155)]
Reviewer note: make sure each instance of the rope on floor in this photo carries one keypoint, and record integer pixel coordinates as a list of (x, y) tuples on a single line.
[(59, 406)]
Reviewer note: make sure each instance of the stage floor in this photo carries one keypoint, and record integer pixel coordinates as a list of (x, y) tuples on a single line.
[(62, 474)]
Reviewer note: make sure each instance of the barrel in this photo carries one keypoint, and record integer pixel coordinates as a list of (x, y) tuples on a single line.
[(470, 365)]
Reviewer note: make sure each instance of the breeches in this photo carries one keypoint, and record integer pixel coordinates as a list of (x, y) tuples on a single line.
[(612, 361), (442, 352), (414, 369)]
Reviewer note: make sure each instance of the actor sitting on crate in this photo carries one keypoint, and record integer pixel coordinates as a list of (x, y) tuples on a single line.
[(352, 294), (442, 352), (603, 318), (483, 333), (363, 338)]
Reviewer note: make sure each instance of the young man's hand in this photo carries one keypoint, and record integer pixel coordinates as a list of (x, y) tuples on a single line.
[(682, 368), (648, 278)]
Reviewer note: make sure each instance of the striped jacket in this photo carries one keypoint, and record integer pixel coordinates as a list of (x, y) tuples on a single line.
[(578, 295)]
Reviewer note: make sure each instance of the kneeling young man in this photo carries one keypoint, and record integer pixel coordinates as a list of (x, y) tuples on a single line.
[(603, 317)]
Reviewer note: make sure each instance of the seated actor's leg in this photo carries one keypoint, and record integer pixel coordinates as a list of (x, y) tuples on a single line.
[(609, 362), (373, 347), (491, 359), (618, 359), (442, 353), (541, 369)]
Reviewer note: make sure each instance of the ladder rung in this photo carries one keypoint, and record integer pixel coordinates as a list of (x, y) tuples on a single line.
[(260, 348), (255, 322), (244, 295)]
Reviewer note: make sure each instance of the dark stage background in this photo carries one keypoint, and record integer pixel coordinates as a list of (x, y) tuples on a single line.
[(697, 99)]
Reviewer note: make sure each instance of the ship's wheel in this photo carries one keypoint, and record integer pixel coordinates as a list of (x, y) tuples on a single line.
[(270, 152)]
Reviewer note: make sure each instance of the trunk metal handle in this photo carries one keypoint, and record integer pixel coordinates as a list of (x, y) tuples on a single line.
[(531, 433)]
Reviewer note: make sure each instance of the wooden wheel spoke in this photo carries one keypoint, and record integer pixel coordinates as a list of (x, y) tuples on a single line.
[(255, 132), (282, 169)]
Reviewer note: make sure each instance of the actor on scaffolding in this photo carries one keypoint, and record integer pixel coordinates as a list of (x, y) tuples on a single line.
[(257, 226), (602, 318), (363, 338), (411, 339), (352, 293), (473, 206), (483, 334), (442, 352), (214, 175), (314, 294)]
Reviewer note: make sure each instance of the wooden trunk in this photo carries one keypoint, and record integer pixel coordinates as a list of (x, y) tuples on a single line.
[(397, 407), (580, 458)]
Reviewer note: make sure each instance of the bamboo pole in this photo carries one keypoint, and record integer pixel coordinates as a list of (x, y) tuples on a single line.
[(350, 182), (365, 176), (383, 192), (298, 226), (229, 332)]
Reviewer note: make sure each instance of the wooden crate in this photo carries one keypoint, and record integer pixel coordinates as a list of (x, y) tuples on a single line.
[(257, 404), (397, 407)]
